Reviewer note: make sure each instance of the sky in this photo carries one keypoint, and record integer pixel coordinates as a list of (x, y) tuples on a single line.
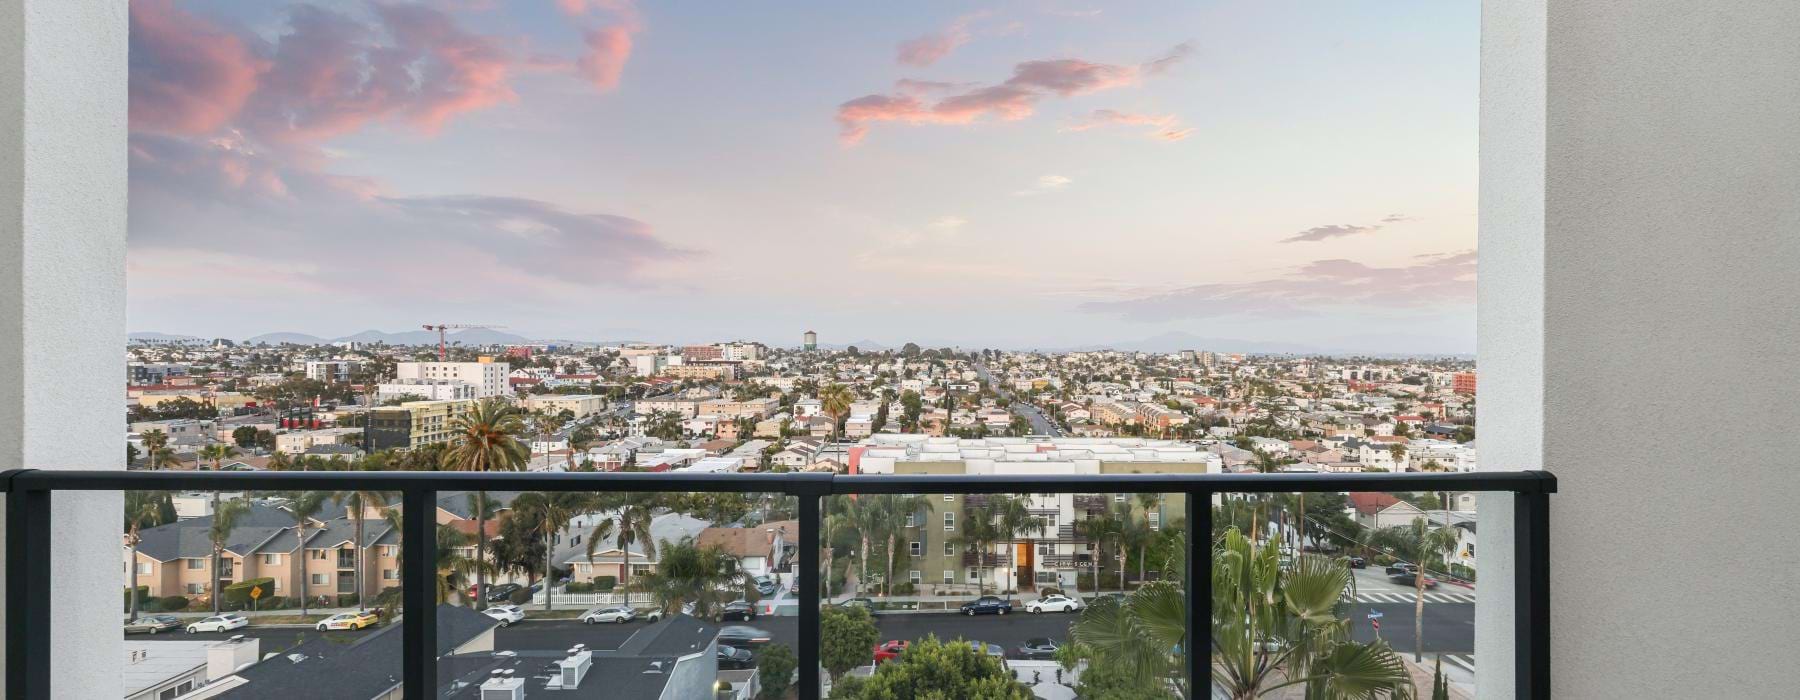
[(1035, 174)]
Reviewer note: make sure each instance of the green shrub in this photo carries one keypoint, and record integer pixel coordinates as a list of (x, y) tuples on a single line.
[(605, 584), (579, 587), (143, 596), (171, 604), (519, 597), (904, 588), (239, 593), (345, 600)]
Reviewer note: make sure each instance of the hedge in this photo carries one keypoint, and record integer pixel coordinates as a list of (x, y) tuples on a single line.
[(171, 604), (605, 584), (239, 593), (143, 595)]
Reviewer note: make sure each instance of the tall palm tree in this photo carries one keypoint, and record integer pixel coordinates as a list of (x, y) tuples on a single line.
[(217, 453), (304, 506), (1012, 519), (628, 523), (487, 440), (142, 509), (899, 507), (358, 503), (865, 515), (705, 577), (279, 462), (452, 566), (225, 519), (835, 399), (548, 513), (155, 440), (1432, 543), (482, 509), (1100, 528)]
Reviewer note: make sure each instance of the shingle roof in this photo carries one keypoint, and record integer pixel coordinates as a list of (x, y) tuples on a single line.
[(325, 667), (457, 502)]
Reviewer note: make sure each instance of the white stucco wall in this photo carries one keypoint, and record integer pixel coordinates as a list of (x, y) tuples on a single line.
[(62, 305), (1647, 322)]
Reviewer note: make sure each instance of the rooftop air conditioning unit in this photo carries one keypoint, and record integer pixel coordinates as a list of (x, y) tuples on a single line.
[(503, 688), (574, 668)]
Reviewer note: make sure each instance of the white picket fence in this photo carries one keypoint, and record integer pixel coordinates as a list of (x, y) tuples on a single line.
[(591, 600)]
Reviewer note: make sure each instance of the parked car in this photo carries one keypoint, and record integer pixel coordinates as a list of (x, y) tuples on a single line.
[(1055, 602), (502, 591), (1359, 563), (766, 585), (219, 623), (1038, 648), (986, 605), (993, 650), (863, 603), (731, 657), (1400, 567), (890, 649), (657, 614), (1411, 580), (617, 613), (743, 636), (738, 610), (153, 624), (349, 621), (506, 614), (1116, 598)]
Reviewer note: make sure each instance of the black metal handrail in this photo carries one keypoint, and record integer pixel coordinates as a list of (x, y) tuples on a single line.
[(28, 538)]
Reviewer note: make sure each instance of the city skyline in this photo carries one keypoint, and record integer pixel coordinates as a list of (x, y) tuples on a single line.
[(1016, 175)]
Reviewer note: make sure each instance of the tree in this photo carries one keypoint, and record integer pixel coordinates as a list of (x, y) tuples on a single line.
[(142, 509), (688, 574), (847, 639), (244, 436), (627, 524), (546, 514), (1101, 527), (487, 440), (304, 505), (775, 668), (225, 518), (835, 399), (931, 669), (217, 453), (358, 503), (895, 513)]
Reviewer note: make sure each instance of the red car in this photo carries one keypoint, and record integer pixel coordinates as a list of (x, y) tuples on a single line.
[(888, 650)]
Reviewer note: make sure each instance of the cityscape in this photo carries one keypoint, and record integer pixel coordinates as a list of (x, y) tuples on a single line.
[(548, 565)]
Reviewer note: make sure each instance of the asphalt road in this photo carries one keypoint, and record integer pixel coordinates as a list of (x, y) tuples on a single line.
[(1040, 425)]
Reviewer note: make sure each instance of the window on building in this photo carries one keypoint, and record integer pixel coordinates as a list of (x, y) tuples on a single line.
[(1155, 521), (277, 585), (390, 550), (948, 497), (390, 575), (949, 549), (949, 576), (143, 568), (914, 577), (915, 548), (1046, 577), (196, 564), (196, 588), (912, 520), (271, 559), (320, 579), (949, 522), (1119, 498), (318, 554)]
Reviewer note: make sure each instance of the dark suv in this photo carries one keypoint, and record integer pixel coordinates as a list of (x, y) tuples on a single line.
[(985, 605), (738, 610)]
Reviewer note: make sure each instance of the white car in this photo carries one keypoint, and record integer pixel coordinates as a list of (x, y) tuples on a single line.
[(617, 613), (219, 623), (1055, 602), (657, 614), (506, 614)]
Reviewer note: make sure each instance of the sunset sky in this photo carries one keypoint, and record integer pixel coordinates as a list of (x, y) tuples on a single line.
[(1010, 174)]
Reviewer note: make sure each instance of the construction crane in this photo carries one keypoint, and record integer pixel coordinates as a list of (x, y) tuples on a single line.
[(441, 327)]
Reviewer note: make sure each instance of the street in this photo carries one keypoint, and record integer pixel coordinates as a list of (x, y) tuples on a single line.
[(1040, 425)]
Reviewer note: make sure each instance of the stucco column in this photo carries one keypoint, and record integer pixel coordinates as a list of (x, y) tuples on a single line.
[(62, 301), (1639, 334)]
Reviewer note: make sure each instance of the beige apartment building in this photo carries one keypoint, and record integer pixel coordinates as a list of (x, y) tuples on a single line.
[(582, 405), (415, 423), (176, 559)]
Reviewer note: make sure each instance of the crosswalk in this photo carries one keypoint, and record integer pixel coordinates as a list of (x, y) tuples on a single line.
[(1408, 598), (1467, 661)]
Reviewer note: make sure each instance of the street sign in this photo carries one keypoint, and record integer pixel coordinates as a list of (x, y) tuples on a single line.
[(1375, 615), (255, 592), (1377, 624)]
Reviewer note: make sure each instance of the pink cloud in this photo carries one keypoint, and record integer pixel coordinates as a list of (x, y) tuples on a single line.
[(930, 48), (1165, 127), (1012, 100), (188, 76), (608, 48)]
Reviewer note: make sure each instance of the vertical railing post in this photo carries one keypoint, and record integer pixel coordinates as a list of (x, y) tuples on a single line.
[(808, 653), (1531, 595), (28, 567), (418, 547), (1198, 645)]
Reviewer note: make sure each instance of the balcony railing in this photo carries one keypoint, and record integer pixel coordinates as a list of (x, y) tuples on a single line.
[(29, 522)]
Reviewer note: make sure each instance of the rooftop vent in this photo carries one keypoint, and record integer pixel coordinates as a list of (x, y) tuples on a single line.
[(655, 668)]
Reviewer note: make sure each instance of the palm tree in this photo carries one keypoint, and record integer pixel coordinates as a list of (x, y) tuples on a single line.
[(224, 520), (898, 509), (549, 512), (1013, 518), (358, 503), (487, 440), (280, 462), (452, 566), (866, 516), (706, 577), (142, 509), (835, 399), (628, 524), (217, 453), (155, 440), (304, 505), (979, 533), (1439, 542), (1105, 526)]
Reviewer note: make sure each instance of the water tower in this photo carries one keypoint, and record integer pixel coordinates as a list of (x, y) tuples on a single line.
[(809, 341)]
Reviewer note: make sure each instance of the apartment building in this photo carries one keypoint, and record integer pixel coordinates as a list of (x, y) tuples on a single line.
[(299, 441), (723, 371), (331, 371), (1055, 554), (176, 559), (581, 405), (755, 409), (426, 389), (415, 423), (487, 376)]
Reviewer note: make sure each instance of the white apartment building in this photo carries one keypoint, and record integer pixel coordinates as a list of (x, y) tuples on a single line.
[(425, 389), (582, 405), (330, 371), (488, 378)]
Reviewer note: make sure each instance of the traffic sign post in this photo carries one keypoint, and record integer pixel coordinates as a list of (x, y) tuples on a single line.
[(255, 593)]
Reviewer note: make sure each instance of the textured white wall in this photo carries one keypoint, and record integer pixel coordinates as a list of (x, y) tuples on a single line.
[(62, 307), (1653, 313)]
